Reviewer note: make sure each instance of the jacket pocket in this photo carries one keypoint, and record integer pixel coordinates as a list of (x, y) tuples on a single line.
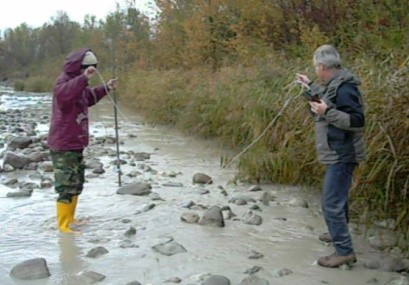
[(336, 137)]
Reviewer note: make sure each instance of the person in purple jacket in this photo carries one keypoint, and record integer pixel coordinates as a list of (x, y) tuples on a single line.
[(68, 135)]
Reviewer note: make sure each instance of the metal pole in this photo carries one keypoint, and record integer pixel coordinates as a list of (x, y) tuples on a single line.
[(118, 160)]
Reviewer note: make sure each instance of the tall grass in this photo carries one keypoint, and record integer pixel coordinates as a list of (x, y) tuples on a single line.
[(237, 103), (38, 84), (384, 179)]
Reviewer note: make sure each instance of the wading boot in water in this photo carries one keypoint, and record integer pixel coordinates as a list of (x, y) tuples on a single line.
[(335, 260), (64, 216), (73, 208)]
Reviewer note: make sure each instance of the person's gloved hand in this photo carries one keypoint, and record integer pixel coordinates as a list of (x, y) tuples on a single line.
[(301, 78), (112, 84), (318, 108)]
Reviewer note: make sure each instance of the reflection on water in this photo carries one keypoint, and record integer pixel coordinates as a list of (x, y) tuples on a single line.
[(71, 259), (287, 237)]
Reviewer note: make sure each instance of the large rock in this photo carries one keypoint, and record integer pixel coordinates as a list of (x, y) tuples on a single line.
[(19, 142), (254, 280), (16, 160), (93, 164), (31, 269), (201, 178), (138, 188), (190, 217), (169, 248), (141, 156), (254, 254), (90, 277), (97, 251), (241, 200), (389, 264), (266, 198), (212, 217), (298, 202), (36, 156), (252, 219), (19, 194), (217, 280), (46, 166)]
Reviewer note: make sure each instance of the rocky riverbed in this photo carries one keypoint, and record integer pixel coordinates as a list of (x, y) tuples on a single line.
[(178, 217)]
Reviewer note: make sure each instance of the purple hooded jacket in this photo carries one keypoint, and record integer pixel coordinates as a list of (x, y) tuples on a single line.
[(71, 99)]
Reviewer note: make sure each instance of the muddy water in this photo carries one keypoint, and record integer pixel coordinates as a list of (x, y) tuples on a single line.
[(287, 237)]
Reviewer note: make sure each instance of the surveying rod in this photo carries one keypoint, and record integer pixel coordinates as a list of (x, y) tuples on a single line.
[(118, 160)]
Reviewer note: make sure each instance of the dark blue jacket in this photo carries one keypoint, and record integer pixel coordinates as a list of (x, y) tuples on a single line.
[(340, 131)]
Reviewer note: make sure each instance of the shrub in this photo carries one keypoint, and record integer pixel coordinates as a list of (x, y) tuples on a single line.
[(19, 85), (38, 84)]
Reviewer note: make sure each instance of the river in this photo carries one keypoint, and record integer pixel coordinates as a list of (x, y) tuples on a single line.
[(287, 236)]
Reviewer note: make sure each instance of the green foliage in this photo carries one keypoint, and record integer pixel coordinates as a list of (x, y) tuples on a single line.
[(34, 84), (384, 180), (38, 84), (19, 85)]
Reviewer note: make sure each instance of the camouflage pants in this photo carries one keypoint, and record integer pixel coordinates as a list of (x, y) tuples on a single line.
[(69, 174)]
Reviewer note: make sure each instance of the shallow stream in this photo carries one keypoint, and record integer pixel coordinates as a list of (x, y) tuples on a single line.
[(287, 237)]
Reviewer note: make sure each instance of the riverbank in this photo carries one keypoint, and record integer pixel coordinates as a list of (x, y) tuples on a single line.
[(270, 230)]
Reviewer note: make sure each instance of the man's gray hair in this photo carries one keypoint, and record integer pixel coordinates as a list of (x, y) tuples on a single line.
[(328, 56)]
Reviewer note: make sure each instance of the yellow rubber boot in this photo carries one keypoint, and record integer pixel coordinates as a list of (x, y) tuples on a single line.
[(64, 213), (73, 207)]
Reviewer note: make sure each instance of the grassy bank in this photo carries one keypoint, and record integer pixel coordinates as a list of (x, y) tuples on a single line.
[(237, 103)]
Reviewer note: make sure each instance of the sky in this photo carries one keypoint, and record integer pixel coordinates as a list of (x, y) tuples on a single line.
[(35, 13)]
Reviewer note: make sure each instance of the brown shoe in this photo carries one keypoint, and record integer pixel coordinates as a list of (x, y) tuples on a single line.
[(325, 237), (335, 260)]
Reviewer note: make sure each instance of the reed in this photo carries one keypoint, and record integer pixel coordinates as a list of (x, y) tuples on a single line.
[(237, 103)]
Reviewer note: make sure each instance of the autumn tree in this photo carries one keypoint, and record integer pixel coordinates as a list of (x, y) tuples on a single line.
[(20, 46), (169, 38)]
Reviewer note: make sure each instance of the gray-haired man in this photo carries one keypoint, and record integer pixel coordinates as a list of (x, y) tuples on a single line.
[(339, 125)]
